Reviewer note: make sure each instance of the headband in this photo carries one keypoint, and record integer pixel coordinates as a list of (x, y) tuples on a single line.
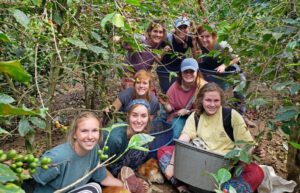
[(140, 102)]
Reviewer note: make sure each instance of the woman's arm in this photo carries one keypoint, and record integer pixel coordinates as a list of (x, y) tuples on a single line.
[(170, 168)]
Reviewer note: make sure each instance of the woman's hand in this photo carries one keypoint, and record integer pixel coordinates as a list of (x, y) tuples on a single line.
[(259, 151), (221, 69), (169, 172), (167, 48), (235, 60), (183, 112)]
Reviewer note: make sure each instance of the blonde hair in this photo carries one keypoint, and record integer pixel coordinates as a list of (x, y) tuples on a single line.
[(76, 121)]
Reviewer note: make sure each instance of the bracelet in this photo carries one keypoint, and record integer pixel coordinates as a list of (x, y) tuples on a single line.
[(172, 164)]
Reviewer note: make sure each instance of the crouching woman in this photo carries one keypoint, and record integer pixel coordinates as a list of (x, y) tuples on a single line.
[(74, 159), (211, 130)]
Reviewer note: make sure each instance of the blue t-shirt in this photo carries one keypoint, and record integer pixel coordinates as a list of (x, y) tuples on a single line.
[(66, 168), (126, 96)]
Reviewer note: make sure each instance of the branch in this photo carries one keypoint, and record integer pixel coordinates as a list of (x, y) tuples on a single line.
[(87, 175)]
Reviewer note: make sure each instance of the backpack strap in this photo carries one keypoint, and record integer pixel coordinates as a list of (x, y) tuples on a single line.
[(226, 114)]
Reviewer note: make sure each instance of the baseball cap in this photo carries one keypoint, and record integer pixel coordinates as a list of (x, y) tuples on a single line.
[(189, 64), (182, 21)]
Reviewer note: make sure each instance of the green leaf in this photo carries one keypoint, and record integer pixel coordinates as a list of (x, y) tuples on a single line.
[(6, 99), (231, 189), (280, 86), (3, 131), (232, 154), (6, 174), (116, 125), (15, 70), (286, 113), (96, 36), (118, 20), (295, 87), (38, 122), (258, 102), (139, 140), (107, 18), (24, 128), (37, 2), (21, 17), (276, 36), (4, 37), (215, 177), (133, 2), (293, 64), (69, 3), (295, 145), (244, 156), (223, 175), (140, 148), (97, 49), (77, 42), (6, 109), (10, 188), (238, 171)]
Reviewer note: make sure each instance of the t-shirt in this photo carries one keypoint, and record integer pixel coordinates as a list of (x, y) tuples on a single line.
[(126, 96), (143, 59), (211, 131), (173, 60), (179, 98), (117, 143), (67, 167)]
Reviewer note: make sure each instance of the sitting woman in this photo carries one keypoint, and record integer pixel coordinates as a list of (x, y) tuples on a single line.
[(154, 39), (182, 93), (138, 120), (212, 131), (207, 42), (141, 90), (72, 160)]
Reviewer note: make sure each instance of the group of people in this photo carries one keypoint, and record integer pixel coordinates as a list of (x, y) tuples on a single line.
[(191, 95)]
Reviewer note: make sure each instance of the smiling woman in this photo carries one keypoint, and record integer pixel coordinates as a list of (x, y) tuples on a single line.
[(140, 90), (138, 119), (72, 160)]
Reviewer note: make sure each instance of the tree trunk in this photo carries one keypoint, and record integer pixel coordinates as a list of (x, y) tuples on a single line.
[(293, 160)]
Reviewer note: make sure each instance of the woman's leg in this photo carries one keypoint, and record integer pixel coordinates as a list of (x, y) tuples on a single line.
[(248, 181), (164, 155), (88, 188)]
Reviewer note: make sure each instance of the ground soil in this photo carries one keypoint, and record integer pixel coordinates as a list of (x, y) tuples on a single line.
[(275, 143)]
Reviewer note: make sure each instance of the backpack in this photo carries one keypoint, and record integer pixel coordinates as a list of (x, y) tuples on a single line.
[(226, 114)]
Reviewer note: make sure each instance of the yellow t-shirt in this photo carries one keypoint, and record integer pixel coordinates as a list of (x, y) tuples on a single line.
[(212, 132)]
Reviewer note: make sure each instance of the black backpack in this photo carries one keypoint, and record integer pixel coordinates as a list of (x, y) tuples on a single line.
[(226, 114)]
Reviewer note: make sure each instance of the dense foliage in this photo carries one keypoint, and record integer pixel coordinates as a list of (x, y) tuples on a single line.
[(72, 41)]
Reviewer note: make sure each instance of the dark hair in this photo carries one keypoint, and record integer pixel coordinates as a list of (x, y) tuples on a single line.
[(209, 87), (130, 111), (154, 24)]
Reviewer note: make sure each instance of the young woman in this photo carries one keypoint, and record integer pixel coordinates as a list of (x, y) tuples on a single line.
[(179, 42), (182, 93), (209, 109), (72, 160), (138, 120), (208, 41), (141, 90), (145, 57)]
